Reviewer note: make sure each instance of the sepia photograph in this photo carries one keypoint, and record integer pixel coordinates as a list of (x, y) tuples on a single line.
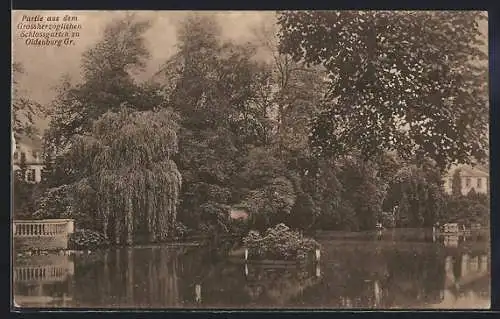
[(250, 160)]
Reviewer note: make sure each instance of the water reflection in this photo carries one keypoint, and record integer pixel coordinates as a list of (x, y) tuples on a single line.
[(197, 289), (350, 275), (43, 281), (451, 241)]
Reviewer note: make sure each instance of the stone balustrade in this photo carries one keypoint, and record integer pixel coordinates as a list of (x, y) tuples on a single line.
[(41, 273), (46, 234), (39, 229)]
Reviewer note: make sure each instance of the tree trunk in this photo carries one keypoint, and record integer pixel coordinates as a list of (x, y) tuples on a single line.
[(129, 221), (118, 226), (105, 221), (149, 219)]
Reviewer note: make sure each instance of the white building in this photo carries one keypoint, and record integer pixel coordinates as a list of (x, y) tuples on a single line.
[(29, 150), (471, 177)]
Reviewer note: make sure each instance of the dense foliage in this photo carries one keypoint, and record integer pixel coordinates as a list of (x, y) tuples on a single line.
[(23, 195), (414, 82), (215, 89), (24, 109), (469, 209), (54, 203), (130, 155), (418, 199), (86, 239)]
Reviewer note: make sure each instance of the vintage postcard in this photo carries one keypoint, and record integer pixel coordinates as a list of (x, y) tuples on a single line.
[(250, 160)]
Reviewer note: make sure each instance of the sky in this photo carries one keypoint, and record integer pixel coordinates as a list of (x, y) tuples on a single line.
[(45, 66)]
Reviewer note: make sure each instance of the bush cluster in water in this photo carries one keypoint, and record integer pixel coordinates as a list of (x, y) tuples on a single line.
[(279, 242), (85, 238)]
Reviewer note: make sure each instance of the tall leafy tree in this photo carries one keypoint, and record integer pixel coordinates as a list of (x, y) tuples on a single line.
[(269, 188), (456, 183), (25, 111), (294, 94), (215, 91), (362, 190), (414, 82), (107, 82), (319, 199), (418, 194)]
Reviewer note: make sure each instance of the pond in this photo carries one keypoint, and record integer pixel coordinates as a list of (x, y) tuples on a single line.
[(384, 272)]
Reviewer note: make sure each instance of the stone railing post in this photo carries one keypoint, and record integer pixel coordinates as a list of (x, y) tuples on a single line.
[(70, 226), (465, 265)]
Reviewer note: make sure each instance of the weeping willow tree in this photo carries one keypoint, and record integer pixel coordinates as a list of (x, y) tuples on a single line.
[(127, 160)]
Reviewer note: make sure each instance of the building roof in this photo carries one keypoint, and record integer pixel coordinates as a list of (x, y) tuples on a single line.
[(483, 168), (470, 171), (473, 172)]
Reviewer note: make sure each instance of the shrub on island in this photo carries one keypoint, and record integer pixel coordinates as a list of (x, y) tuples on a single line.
[(279, 243), (86, 239)]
